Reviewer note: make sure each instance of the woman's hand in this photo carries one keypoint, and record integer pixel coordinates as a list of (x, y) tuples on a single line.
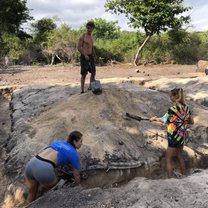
[(153, 119), (76, 174), (156, 119)]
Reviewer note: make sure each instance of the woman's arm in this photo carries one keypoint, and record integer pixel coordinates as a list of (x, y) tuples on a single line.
[(191, 121), (156, 119), (76, 174)]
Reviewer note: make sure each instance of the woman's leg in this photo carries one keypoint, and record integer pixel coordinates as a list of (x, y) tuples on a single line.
[(179, 154), (33, 189), (170, 152), (50, 185)]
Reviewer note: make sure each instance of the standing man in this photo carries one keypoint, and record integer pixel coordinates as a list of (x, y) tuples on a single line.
[(87, 58)]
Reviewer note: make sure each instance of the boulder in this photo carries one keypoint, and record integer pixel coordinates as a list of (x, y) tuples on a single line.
[(44, 114), (202, 65)]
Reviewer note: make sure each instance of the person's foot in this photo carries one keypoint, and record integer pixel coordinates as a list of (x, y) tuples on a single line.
[(89, 88), (81, 92)]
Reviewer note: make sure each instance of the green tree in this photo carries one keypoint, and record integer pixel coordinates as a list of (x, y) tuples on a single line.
[(203, 36), (15, 46), (184, 47), (12, 15), (151, 15), (42, 27), (61, 44), (104, 29)]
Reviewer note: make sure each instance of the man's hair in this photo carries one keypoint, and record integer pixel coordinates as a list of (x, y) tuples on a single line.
[(90, 24), (74, 136)]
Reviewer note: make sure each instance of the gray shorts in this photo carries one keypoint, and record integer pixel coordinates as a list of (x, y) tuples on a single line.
[(40, 170)]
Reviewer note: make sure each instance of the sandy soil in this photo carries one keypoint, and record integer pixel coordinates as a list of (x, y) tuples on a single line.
[(27, 75)]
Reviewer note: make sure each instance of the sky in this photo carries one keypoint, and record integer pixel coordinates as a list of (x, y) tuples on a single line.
[(75, 13)]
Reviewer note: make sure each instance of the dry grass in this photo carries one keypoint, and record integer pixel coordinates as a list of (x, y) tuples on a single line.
[(14, 197)]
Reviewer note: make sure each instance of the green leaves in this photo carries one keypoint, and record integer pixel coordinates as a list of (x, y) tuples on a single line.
[(152, 15), (12, 15), (104, 29), (42, 27)]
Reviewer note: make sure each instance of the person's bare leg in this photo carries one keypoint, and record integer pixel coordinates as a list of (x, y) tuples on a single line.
[(92, 79), (82, 83), (181, 160), (33, 189), (49, 186), (170, 152), (46, 187)]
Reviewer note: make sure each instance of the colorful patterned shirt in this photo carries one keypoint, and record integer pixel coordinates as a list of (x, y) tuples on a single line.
[(177, 119)]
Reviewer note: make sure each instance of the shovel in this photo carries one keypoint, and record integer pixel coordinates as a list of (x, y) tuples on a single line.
[(138, 118)]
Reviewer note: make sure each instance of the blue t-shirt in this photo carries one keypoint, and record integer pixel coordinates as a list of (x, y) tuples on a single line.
[(67, 154)]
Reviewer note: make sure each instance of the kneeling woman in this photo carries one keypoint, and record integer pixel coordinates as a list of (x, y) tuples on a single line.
[(40, 169)]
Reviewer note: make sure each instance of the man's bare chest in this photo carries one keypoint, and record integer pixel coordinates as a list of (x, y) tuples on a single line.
[(88, 40)]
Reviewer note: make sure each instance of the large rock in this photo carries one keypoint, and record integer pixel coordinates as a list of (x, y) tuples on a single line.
[(202, 65), (42, 115)]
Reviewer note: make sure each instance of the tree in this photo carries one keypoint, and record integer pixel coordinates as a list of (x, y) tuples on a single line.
[(151, 15), (15, 46), (12, 15), (104, 29), (61, 44), (184, 47), (42, 27)]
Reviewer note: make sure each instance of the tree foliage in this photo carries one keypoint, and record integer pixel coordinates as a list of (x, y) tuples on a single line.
[(61, 44), (151, 15), (104, 29), (12, 15), (42, 27)]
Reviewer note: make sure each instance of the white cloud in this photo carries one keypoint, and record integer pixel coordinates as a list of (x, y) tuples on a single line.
[(77, 12)]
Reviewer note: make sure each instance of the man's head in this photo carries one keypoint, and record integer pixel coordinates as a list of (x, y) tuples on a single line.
[(90, 26), (75, 138)]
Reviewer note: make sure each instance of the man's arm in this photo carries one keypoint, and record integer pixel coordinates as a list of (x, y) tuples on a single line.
[(80, 44)]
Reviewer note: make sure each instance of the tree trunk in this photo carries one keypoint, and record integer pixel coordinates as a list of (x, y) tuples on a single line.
[(52, 59), (136, 60)]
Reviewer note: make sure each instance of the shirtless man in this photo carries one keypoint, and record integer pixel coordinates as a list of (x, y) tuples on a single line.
[(85, 47)]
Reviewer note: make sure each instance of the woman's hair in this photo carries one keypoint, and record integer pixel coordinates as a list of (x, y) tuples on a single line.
[(178, 93), (74, 136), (90, 24)]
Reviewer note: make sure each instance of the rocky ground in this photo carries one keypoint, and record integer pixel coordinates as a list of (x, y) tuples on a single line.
[(189, 192), (39, 105)]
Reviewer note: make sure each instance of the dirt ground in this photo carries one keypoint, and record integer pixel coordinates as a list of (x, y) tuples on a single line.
[(18, 76), (68, 74)]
